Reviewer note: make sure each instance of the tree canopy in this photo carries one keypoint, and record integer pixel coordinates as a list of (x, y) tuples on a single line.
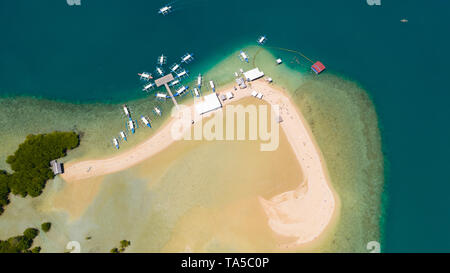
[(46, 226), (31, 164), (21, 243)]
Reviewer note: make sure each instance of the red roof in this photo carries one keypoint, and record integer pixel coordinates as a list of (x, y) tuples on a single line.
[(318, 67)]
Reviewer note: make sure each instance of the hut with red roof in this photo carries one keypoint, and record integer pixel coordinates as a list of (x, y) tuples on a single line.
[(318, 67)]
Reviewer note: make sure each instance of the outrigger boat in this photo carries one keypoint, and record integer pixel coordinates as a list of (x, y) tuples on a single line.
[(148, 87), (262, 40), (165, 10), (131, 126), (181, 90), (123, 135), (187, 58), (175, 82), (211, 83), (161, 96), (126, 111), (196, 92), (243, 56), (199, 81), (182, 74), (161, 60), (174, 67), (145, 76), (157, 111), (116, 143), (160, 71), (145, 121)]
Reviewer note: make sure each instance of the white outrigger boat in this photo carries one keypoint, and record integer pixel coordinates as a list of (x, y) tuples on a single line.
[(161, 60), (146, 122), (131, 126), (145, 76), (199, 81), (126, 111), (243, 56), (157, 111), (148, 87), (165, 10), (196, 92), (174, 82), (123, 135), (175, 67), (211, 83), (160, 71), (181, 90), (161, 96), (116, 143), (262, 40), (187, 58), (182, 74)]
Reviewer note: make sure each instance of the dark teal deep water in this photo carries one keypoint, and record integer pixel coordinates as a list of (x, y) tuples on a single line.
[(93, 52)]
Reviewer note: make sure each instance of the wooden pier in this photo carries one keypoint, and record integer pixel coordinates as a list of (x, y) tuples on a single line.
[(164, 81)]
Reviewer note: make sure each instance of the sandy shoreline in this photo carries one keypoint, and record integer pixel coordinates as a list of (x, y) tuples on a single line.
[(303, 213)]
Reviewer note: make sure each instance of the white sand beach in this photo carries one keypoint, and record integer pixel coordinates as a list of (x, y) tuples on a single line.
[(303, 213)]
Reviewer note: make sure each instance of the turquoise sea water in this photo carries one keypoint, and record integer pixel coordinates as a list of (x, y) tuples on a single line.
[(92, 52)]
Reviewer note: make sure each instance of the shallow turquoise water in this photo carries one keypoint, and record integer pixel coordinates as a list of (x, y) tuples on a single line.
[(93, 52)]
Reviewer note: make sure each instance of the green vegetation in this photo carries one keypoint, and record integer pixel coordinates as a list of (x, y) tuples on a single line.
[(21, 244), (4, 190), (123, 245), (114, 250), (31, 164), (46, 226)]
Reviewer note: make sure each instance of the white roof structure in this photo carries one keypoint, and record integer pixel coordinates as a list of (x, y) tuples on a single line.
[(229, 95), (254, 93), (259, 96), (253, 74), (56, 167), (209, 103)]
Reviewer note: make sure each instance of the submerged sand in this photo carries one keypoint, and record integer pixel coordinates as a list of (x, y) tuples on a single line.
[(303, 213)]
